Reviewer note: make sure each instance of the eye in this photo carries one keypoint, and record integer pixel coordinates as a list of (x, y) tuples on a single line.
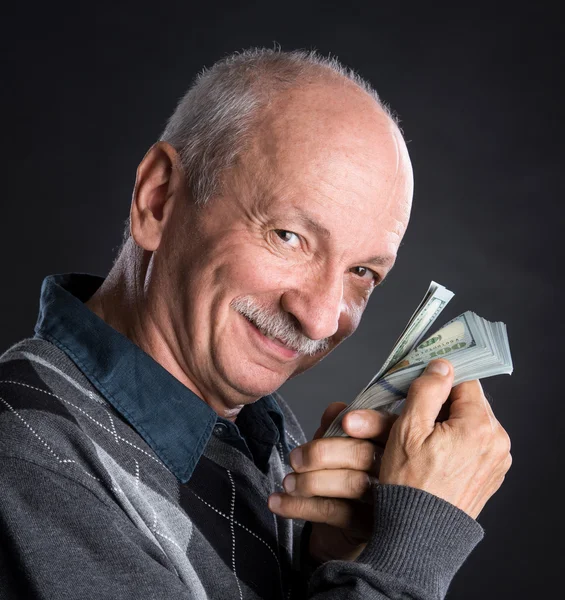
[(288, 237), (366, 274)]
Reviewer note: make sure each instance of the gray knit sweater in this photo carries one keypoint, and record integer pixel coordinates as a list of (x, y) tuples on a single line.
[(90, 510)]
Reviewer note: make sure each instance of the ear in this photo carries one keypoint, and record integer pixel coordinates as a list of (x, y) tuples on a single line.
[(158, 183)]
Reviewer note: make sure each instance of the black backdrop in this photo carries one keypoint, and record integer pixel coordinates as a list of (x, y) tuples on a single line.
[(87, 89)]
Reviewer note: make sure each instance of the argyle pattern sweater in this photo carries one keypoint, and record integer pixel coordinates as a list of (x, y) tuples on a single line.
[(88, 511), (118, 482)]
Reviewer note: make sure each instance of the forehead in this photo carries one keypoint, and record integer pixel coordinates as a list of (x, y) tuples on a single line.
[(333, 153)]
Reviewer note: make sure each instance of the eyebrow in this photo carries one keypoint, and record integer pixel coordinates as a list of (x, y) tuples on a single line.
[(309, 221), (381, 261)]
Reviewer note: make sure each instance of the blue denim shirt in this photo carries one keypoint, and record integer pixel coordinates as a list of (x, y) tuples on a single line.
[(172, 419)]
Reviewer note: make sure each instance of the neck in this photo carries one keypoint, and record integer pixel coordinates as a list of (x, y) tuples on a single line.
[(121, 302)]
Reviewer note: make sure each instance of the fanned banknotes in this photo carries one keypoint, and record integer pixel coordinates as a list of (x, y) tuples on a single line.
[(475, 347)]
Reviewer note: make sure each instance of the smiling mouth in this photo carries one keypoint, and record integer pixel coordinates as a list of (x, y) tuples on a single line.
[(287, 350), (268, 336)]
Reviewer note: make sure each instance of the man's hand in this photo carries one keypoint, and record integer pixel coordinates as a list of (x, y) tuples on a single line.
[(462, 459), (460, 453), (331, 485)]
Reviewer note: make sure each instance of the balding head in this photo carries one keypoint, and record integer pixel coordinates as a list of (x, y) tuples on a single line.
[(217, 117), (326, 130)]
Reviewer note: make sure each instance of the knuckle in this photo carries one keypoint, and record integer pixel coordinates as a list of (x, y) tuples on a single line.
[(507, 440), (314, 484), (302, 506), (295, 507), (503, 443), (327, 509), (306, 484), (319, 452), (287, 503), (363, 455), (357, 483), (289, 506)]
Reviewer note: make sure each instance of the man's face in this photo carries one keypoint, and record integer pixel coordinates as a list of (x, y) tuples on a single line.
[(276, 271)]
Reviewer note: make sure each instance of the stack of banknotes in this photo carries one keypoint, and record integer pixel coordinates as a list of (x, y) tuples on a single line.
[(475, 347)]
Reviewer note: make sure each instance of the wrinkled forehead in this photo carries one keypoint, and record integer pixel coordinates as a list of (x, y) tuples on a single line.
[(331, 143)]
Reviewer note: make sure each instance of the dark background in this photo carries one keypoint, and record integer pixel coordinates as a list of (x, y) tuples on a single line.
[(86, 89)]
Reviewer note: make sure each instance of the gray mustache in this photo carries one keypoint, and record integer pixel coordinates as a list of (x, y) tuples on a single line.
[(278, 325)]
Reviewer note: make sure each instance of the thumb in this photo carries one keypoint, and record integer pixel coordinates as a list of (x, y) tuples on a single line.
[(428, 393)]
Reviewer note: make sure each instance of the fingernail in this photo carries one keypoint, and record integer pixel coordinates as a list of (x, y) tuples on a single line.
[(274, 501), (355, 421), (438, 367), (289, 483), (296, 458)]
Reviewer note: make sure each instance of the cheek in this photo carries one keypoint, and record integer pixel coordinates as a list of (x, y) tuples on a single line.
[(249, 272)]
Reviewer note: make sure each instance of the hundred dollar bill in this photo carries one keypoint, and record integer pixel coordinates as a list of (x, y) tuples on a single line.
[(476, 348), (434, 301)]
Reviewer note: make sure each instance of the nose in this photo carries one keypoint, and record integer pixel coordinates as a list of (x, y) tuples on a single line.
[(316, 303)]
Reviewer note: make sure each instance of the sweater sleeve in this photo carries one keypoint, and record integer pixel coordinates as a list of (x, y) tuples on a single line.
[(58, 539), (419, 542)]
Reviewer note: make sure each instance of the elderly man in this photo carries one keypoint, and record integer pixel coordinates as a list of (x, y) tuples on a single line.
[(145, 452)]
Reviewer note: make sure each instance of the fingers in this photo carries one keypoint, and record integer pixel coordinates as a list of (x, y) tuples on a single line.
[(428, 393), (334, 483), (344, 514), (462, 459), (334, 453), (369, 424)]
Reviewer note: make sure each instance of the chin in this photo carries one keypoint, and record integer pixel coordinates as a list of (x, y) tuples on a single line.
[(252, 380), (255, 390), (256, 381), (259, 381)]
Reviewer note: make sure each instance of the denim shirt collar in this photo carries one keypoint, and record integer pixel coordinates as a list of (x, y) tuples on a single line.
[(174, 421)]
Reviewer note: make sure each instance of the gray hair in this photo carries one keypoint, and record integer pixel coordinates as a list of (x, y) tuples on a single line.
[(215, 119)]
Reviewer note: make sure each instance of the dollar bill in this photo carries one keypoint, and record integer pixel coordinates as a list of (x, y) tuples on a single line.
[(433, 302), (476, 348)]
